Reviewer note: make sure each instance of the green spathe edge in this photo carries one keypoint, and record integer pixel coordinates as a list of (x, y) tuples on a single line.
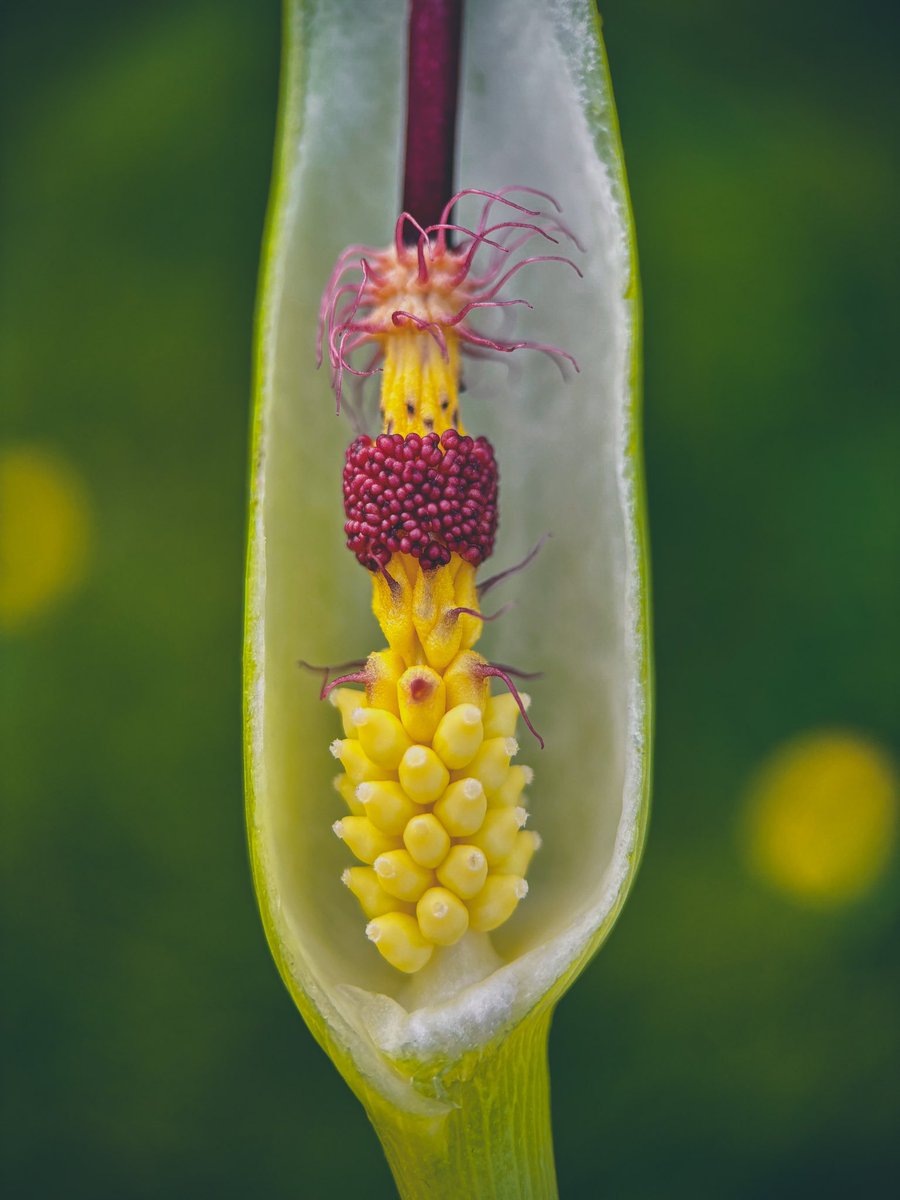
[(476, 1124)]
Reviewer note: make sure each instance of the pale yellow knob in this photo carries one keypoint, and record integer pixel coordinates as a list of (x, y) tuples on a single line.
[(462, 807), (381, 736), (398, 938), (497, 835), (501, 714), (400, 874), (386, 805), (459, 735), (364, 839), (518, 860), (442, 916), (347, 789), (509, 791), (496, 902), (464, 870), (427, 840), (365, 885), (491, 763), (355, 761), (422, 774)]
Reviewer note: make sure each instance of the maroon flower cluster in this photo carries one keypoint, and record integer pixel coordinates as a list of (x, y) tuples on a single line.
[(425, 496)]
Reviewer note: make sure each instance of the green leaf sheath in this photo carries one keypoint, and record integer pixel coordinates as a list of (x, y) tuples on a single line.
[(451, 1066)]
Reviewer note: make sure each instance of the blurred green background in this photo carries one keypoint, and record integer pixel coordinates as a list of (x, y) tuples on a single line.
[(741, 1039)]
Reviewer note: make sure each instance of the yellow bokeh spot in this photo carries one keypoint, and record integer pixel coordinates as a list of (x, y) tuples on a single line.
[(44, 533), (822, 817)]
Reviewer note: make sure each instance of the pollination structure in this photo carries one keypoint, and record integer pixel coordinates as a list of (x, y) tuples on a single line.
[(435, 805), (439, 1017)]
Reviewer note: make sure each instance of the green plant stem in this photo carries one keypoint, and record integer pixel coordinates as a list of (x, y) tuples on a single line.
[(495, 1143)]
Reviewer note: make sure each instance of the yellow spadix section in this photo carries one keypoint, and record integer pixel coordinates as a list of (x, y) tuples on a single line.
[(427, 840), (381, 735), (419, 384), (442, 916), (459, 736), (436, 808), (365, 839), (501, 714), (399, 938), (423, 775), (400, 874), (365, 885), (386, 805), (496, 902), (462, 807)]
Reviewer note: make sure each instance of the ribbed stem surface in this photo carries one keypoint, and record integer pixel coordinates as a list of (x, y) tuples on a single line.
[(496, 1142)]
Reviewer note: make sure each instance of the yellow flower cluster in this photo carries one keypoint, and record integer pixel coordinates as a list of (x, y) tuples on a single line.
[(436, 806)]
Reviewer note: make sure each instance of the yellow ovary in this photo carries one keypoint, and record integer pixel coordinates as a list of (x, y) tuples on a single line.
[(464, 871), (427, 840), (386, 805), (365, 885), (442, 916), (459, 736), (447, 854), (365, 839), (400, 874), (462, 807), (422, 775), (399, 938), (381, 736)]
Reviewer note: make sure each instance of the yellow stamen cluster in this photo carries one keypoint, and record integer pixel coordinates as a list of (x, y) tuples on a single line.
[(436, 809)]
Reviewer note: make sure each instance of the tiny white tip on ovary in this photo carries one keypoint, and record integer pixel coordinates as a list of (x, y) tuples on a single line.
[(345, 877), (336, 746), (359, 716), (440, 910), (538, 841), (384, 867), (521, 889), (416, 756), (471, 715), (472, 789), (373, 931), (338, 828), (364, 792), (521, 816), (511, 746), (476, 860), (528, 775), (526, 700)]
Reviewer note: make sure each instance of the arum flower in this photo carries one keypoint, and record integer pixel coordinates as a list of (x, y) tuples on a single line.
[(434, 1000)]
